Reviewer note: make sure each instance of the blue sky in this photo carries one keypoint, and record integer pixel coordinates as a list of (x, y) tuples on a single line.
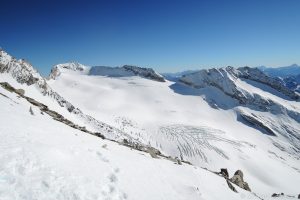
[(167, 35)]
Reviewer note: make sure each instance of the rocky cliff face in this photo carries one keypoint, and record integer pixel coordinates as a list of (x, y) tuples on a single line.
[(20, 70), (144, 72)]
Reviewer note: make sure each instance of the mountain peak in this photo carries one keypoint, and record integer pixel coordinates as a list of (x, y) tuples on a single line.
[(69, 67), (20, 69)]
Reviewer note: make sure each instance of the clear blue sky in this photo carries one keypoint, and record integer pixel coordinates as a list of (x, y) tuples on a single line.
[(167, 35)]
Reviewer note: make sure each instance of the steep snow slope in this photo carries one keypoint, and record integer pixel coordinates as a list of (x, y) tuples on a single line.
[(44, 159), (202, 124)]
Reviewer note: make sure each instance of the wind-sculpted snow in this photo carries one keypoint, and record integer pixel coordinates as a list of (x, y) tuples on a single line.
[(193, 141)]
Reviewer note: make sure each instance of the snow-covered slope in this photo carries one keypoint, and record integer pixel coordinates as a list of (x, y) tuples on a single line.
[(41, 158), (182, 121), (72, 67), (21, 74), (262, 102), (243, 120)]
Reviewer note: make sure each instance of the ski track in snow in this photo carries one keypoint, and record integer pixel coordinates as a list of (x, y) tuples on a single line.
[(191, 140)]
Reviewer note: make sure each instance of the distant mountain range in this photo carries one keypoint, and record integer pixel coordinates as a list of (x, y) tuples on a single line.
[(292, 70), (289, 75)]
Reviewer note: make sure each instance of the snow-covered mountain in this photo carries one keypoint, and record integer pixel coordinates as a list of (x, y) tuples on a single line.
[(220, 123), (21, 74), (177, 75), (289, 75), (218, 118), (283, 72), (124, 71), (42, 158), (261, 102), (292, 82), (72, 67)]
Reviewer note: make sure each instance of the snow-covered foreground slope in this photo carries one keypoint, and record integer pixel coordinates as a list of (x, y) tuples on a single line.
[(41, 158), (201, 125)]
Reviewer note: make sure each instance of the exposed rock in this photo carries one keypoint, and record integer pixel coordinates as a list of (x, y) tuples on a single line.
[(126, 71), (145, 72), (21, 92), (152, 153), (254, 121), (178, 161), (257, 75), (231, 186), (72, 66), (278, 195), (238, 179), (275, 195), (224, 173), (31, 111)]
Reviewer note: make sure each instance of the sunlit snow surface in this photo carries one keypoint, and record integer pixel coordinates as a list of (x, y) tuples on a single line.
[(44, 159), (179, 121)]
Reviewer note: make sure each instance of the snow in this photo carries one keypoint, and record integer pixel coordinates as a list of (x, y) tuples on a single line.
[(45, 159), (184, 124)]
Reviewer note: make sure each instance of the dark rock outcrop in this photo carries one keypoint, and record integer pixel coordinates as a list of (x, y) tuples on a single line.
[(231, 186), (254, 121), (238, 179), (126, 71)]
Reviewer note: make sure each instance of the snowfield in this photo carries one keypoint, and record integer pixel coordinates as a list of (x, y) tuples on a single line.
[(179, 121), (45, 159), (219, 118)]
